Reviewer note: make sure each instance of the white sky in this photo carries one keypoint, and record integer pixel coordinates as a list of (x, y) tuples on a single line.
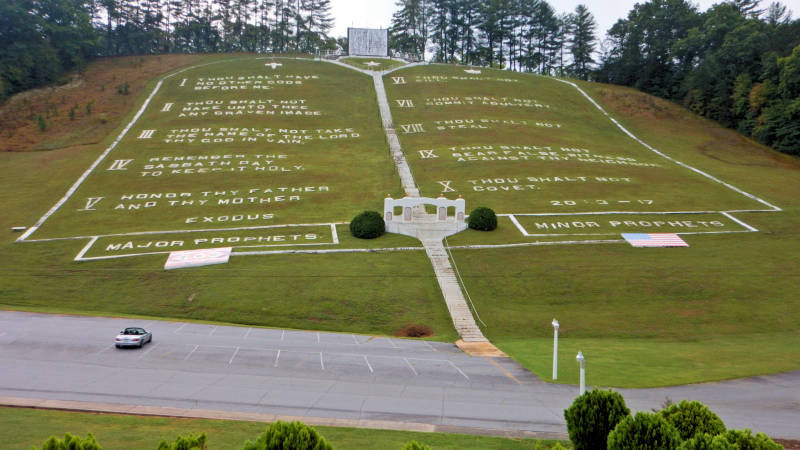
[(378, 13)]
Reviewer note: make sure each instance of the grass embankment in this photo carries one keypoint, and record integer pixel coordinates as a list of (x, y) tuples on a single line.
[(99, 97), (23, 428), (373, 293)]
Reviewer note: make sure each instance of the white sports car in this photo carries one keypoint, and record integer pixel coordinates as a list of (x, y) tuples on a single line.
[(133, 337)]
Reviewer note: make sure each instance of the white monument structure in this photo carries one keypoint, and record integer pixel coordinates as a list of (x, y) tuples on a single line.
[(413, 218), (367, 42)]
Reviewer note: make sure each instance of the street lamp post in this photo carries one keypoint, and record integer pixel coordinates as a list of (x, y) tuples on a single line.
[(582, 362), (555, 349)]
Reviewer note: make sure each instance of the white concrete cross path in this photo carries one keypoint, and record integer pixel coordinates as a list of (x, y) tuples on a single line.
[(430, 236)]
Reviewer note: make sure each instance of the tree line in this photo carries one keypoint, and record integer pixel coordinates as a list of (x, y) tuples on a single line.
[(524, 35), (40, 40), (737, 63)]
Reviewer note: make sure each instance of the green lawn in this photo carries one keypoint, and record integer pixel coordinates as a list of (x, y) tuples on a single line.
[(22, 428)]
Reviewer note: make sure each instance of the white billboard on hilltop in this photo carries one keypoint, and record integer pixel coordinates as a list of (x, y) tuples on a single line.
[(367, 42)]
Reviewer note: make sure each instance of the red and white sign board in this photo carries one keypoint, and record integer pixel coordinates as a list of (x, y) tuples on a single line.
[(197, 258)]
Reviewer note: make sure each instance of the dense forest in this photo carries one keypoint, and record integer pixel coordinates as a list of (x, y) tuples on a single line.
[(737, 63), (42, 39)]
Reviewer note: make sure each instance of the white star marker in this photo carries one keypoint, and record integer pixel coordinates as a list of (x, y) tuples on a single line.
[(472, 71), (274, 65), (372, 64)]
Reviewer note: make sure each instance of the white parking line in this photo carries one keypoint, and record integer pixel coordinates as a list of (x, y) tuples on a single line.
[(317, 337), (459, 370), (368, 364), (213, 330), (429, 345), (276, 358), (234, 355), (179, 328), (355, 340), (102, 350), (283, 333), (150, 349), (322, 364), (190, 353), (410, 366), (391, 341), (248, 332)]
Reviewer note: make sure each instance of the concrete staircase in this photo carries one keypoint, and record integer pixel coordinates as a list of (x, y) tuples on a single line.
[(451, 290)]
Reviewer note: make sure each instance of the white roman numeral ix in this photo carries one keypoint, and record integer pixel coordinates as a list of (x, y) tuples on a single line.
[(427, 154)]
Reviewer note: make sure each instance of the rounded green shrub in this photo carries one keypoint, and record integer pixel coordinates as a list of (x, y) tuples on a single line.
[(414, 445), (592, 416), (187, 442), (71, 442), (747, 441), (691, 418), (289, 435), (483, 219), (705, 441), (367, 225), (643, 431)]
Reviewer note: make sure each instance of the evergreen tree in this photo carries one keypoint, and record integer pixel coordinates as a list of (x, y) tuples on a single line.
[(582, 39)]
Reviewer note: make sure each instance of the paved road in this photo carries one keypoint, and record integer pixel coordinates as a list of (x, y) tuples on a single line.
[(327, 375)]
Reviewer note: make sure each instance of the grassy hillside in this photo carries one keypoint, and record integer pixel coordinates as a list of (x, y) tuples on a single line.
[(725, 307), (557, 169)]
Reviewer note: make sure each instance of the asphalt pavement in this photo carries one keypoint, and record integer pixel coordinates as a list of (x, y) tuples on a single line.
[(336, 376)]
